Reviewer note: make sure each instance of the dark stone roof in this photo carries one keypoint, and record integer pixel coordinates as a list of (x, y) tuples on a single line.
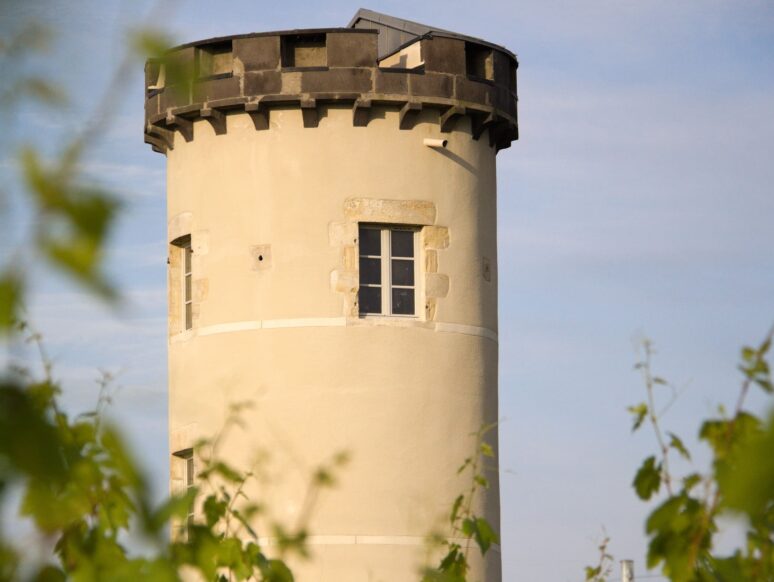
[(395, 33)]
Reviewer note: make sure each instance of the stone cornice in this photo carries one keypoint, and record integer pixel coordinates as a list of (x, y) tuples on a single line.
[(259, 79)]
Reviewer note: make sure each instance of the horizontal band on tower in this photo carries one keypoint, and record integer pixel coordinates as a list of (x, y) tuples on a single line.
[(259, 324), (347, 540)]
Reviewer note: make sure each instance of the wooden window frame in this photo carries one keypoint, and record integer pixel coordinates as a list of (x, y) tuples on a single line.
[(386, 259)]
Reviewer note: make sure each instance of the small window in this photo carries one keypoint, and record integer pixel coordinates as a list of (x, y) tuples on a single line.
[(478, 61), (304, 50), (387, 270), (186, 456), (186, 281), (215, 59)]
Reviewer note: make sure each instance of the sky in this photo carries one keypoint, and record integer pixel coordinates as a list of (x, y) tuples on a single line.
[(636, 203)]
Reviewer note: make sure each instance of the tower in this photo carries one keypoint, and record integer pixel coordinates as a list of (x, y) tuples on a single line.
[(333, 261)]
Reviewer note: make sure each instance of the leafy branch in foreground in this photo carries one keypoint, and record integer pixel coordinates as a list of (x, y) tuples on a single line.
[(603, 568), (739, 484), (463, 523), (83, 492)]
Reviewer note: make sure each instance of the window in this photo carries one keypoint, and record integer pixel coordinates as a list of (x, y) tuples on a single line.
[(478, 61), (186, 252), (387, 270), (215, 60), (304, 50), (186, 456)]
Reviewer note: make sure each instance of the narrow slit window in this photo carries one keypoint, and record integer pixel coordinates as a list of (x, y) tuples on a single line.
[(387, 270), (189, 484), (187, 283), (186, 457), (478, 61), (184, 259)]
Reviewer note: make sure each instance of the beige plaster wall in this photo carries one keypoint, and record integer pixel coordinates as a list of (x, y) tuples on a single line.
[(400, 394)]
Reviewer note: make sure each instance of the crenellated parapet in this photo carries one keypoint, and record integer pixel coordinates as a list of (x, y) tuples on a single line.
[(316, 69)]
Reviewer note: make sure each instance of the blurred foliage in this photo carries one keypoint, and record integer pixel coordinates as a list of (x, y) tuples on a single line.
[(465, 527), (603, 568), (81, 489), (739, 483)]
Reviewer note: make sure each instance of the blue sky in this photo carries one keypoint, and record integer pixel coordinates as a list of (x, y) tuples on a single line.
[(638, 201)]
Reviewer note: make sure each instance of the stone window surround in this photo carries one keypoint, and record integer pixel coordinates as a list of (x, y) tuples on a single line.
[(431, 285)]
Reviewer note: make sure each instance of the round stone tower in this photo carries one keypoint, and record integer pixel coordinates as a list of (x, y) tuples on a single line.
[(333, 262)]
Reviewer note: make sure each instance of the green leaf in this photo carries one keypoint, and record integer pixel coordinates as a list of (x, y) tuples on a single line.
[(11, 293), (214, 510), (486, 450), (691, 481), (747, 483), (647, 481), (456, 508), (44, 91), (75, 220), (223, 470), (480, 530), (151, 44), (176, 507), (677, 444), (28, 440), (276, 571), (640, 411)]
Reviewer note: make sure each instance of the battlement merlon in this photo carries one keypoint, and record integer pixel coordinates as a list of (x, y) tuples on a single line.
[(361, 68)]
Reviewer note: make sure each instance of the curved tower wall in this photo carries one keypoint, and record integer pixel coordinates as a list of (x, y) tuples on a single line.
[(271, 197)]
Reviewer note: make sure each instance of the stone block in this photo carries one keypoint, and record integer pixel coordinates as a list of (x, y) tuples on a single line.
[(431, 85), (214, 89), (502, 69), (152, 73), (350, 80), (390, 82), (347, 49), (152, 106), (344, 281), (258, 53), (342, 233), (262, 83), (435, 237), (431, 261), (503, 99), (350, 258), (436, 285), (419, 212), (431, 305), (474, 91), (173, 97), (444, 55)]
